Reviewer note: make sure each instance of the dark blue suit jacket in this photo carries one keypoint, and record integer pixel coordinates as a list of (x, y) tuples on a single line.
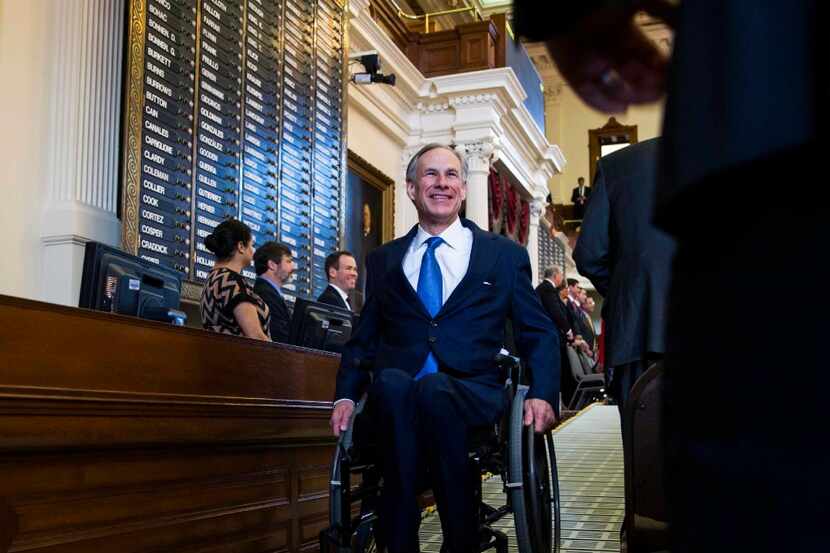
[(395, 330), (625, 256)]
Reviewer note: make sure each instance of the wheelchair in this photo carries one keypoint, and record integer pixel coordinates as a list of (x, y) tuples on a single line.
[(525, 461)]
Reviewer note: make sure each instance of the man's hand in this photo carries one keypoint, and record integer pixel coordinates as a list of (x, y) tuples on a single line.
[(539, 413), (609, 62), (340, 417)]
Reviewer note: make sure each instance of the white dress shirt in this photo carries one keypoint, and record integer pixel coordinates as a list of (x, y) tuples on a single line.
[(453, 256), (343, 295)]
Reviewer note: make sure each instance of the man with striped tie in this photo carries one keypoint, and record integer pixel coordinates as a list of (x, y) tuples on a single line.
[(434, 320)]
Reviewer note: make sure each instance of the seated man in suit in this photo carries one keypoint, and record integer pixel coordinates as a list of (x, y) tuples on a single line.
[(438, 302), (341, 272), (580, 196), (274, 266)]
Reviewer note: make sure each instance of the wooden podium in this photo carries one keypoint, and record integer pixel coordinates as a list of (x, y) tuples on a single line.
[(120, 435)]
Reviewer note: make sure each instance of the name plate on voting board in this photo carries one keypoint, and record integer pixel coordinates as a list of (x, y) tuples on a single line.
[(234, 109)]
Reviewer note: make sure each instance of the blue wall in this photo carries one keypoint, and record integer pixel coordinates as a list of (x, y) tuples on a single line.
[(517, 58)]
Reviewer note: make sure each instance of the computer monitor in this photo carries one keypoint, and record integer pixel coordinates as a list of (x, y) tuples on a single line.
[(121, 283), (320, 326)]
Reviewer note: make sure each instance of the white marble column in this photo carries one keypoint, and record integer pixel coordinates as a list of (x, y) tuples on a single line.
[(83, 161), (478, 155), (537, 208)]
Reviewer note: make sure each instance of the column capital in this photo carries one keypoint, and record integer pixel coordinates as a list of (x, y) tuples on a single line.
[(537, 208), (479, 154)]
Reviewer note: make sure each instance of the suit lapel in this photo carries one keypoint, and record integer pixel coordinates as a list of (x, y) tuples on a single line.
[(481, 261), (330, 290), (394, 268)]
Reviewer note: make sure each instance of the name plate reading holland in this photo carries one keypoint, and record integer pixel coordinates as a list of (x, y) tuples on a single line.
[(256, 227)]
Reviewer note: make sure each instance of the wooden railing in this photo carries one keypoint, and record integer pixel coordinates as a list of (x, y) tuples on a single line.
[(467, 47), (124, 435)]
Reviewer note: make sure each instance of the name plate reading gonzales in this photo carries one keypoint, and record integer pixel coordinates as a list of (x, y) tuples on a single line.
[(233, 109)]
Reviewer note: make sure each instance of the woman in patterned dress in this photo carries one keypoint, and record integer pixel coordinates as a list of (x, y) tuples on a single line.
[(229, 304)]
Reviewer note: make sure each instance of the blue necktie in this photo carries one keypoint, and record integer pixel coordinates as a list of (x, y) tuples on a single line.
[(431, 292)]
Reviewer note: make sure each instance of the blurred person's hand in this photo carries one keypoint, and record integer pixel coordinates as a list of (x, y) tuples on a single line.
[(609, 62)]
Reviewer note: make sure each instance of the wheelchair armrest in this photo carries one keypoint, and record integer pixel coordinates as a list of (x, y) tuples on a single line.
[(511, 370)]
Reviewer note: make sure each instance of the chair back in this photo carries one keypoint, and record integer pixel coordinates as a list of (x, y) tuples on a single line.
[(645, 500), (588, 364), (577, 370)]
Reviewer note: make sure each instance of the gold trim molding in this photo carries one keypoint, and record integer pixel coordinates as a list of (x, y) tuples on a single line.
[(378, 180), (133, 106)]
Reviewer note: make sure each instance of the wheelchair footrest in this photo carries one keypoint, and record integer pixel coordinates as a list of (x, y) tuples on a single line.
[(494, 539)]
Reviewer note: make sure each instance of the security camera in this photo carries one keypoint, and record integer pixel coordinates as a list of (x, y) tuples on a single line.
[(370, 60)]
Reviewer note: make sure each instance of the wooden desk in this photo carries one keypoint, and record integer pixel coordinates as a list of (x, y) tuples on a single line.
[(119, 435)]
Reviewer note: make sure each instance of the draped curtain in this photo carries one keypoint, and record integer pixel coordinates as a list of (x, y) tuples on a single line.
[(509, 213)]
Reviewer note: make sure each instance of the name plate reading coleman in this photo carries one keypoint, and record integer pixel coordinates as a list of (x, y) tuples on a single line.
[(233, 109)]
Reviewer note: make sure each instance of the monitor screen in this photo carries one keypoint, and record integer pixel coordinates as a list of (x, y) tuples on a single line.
[(320, 326), (121, 283)]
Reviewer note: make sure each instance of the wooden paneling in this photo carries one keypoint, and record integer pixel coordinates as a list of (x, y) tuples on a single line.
[(124, 435), (468, 47)]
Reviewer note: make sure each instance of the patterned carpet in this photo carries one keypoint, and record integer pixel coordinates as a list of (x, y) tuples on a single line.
[(590, 461)]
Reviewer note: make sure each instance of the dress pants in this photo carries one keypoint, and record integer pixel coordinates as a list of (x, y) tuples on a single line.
[(423, 428)]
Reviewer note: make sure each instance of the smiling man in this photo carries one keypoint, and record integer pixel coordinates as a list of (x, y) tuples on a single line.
[(434, 320), (341, 272)]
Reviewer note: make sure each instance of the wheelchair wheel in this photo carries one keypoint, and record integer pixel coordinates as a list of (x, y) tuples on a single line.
[(346, 534), (531, 484)]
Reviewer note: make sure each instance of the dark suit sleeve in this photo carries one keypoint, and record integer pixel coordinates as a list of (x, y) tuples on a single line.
[(359, 351), (536, 338), (593, 247), (574, 195)]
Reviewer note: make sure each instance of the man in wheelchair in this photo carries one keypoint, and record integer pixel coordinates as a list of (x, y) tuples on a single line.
[(438, 301)]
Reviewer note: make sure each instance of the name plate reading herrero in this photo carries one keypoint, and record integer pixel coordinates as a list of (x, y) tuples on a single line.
[(233, 108)]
